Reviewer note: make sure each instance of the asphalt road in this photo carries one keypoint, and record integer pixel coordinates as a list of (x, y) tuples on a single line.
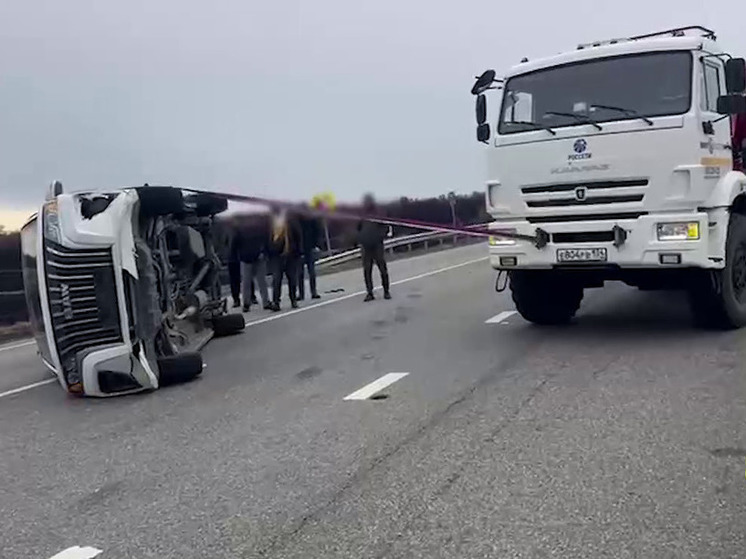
[(619, 436)]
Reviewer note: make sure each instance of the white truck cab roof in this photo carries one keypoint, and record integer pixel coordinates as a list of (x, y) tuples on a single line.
[(619, 48)]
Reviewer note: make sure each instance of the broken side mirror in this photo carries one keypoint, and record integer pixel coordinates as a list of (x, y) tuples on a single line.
[(731, 104), (481, 108), (483, 133), (735, 75)]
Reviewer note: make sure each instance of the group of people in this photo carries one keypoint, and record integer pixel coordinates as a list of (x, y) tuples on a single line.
[(285, 247)]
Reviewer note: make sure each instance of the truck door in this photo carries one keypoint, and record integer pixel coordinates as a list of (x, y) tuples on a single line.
[(715, 129)]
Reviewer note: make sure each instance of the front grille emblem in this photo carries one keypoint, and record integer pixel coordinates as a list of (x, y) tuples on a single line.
[(581, 193), (67, 304)]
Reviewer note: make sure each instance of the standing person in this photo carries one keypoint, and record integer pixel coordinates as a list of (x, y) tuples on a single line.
[(286, 246), (311, 229), (370, 237), (234, 271), (252, 248)]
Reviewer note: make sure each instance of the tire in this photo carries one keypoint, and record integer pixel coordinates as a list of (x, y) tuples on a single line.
[(228, 324), (160, 200), (207, 205), (545, 297), (176, 369), (717, 298)]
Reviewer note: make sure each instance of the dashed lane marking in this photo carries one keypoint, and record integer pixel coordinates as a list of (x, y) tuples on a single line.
[(16, 346), (27, 387), (499, 318), (376, 386), (78, 552)]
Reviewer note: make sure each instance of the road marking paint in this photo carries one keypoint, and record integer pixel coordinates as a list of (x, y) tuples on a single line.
[(16, 346), (27, 387), (360, 293), (78, 552), (376, 386), (502, 317)]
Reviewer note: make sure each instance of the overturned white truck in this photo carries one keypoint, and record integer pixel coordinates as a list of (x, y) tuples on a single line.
[(123, 287), (619, 161)]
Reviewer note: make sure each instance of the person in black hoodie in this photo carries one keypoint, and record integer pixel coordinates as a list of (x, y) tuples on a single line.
[(285, 249), (370, 238), (311, 232), (252, 247)]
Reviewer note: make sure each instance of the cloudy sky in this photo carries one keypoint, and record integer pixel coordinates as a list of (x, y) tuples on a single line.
[(280, 98)]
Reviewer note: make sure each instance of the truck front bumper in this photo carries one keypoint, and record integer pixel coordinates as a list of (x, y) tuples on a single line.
[(641, 247)]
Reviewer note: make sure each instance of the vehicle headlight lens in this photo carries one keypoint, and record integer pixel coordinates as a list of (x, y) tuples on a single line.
[(680, 231), (52, 223), (497, 240)]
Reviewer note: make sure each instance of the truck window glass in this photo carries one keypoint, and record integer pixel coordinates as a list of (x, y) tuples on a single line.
[(712, 86), (649, 84)]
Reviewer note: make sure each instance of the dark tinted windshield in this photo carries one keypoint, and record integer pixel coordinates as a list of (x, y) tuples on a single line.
[(619, 88)]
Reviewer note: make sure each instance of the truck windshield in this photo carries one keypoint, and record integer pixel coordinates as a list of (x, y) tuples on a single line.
[(629, 87), (29, 252)]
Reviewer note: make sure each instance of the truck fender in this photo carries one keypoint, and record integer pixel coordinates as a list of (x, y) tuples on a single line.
[(727, 189)]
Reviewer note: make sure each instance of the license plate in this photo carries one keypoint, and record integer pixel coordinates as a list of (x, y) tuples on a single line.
[(581, 255)]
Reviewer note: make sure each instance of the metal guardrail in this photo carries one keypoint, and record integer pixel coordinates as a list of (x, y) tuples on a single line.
[(391, 244)]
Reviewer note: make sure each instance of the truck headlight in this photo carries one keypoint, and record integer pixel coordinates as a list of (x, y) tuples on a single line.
[(679, 231), (52, 222), (497, 240)]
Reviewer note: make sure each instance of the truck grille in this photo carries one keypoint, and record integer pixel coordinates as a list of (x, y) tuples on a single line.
[(82, 301), (594, 193)]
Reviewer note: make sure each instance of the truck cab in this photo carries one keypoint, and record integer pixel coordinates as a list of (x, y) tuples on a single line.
[(616, 159)]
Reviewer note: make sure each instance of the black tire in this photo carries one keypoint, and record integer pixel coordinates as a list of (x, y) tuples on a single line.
[(176, 369), (228, 324), (545, 297), (207, 205), (717, 298), (160, 200)]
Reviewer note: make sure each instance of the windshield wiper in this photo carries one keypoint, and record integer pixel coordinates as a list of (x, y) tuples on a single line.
[(534, 124), (580, 118), (629, 112)]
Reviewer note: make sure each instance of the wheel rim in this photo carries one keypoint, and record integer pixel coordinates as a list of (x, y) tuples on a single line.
[(738, 272)]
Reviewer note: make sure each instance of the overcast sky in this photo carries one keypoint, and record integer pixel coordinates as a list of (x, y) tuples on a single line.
[(280, 98)]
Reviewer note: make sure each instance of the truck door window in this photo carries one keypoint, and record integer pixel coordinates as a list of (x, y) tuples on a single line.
[(711, 87)]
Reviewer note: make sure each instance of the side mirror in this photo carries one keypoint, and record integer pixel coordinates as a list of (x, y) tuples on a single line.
[(481, 108), (483, 133), (483, 82), (735, 75), (731, 104)]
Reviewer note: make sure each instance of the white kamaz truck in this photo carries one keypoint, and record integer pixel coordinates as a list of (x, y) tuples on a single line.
[(123, 287), (620, 160)]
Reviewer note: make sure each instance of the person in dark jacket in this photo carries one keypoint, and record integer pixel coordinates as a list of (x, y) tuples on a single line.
[(311, 229), (370, 238), (252, 247), (234, 273), (285, 249)]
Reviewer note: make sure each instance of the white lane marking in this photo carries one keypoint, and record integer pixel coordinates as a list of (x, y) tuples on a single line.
[(16, 346), (27, 387), (498, 318), (78, 552), (376, 386), (360, 293)]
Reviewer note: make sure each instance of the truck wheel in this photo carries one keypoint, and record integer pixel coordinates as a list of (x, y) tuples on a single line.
[(160, 200), (207, 205), (545, 297), (228, 324), (718, 298), (175, 369)]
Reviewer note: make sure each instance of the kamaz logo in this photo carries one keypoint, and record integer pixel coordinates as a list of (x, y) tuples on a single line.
[(580, 169), (581, 193), (67, 304)]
